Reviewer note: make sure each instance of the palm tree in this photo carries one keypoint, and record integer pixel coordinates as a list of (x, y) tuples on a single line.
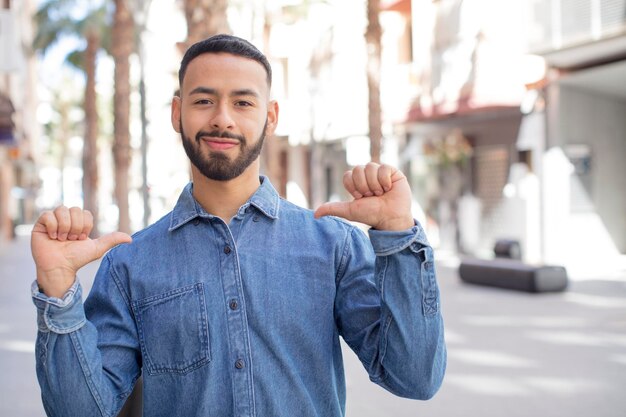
[(122, 46), (62, 126), (204, 18), (54, 20), (373, 36)]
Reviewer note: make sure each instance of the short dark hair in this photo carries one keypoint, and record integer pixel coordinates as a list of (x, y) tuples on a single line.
[(226, 44)]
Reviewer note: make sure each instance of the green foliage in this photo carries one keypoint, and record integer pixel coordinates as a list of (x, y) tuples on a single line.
[(56, 19)]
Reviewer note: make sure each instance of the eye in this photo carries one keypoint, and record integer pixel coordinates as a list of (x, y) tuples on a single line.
[(202, 101), (243, 103)]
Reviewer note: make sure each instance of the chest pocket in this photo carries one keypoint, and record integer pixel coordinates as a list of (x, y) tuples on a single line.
[(173, 330)]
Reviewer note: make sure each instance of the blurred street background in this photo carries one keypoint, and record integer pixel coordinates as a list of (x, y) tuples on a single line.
[(508, 118)]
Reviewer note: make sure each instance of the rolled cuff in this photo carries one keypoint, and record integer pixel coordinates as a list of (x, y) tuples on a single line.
[(59, 315), (387, 242)]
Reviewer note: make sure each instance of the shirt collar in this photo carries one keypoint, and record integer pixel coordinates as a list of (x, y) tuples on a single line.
[(265, 199)]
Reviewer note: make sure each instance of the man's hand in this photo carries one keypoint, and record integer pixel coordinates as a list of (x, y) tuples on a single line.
[(382, 198), (60, 245)]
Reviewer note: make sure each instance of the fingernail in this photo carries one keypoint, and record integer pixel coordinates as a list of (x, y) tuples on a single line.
[(53, 235), (63, 236), (357, 194), (378, 192), (368, 194), (72, 237), (82, 236)]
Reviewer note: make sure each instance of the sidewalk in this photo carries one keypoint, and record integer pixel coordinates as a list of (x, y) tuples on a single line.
[(510, 354), (515, 354), (19, 390)]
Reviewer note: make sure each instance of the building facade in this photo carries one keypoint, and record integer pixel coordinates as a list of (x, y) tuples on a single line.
[(516, 130), (18, 127), (584, 200)]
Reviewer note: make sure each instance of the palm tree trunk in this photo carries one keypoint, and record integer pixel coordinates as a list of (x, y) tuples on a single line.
[(122, 47), (204, 18), (373, 37), (90, 146), (64, 133)]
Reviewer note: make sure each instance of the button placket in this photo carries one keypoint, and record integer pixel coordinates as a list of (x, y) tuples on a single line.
[(236, 317)]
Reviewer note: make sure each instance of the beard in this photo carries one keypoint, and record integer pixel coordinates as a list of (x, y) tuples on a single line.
[(217, 165)]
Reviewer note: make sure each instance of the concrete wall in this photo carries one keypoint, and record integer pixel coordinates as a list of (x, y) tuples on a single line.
[(597, 197), (600, 122)]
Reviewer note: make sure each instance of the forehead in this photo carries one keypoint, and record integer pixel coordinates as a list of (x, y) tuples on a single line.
[(223, 71)]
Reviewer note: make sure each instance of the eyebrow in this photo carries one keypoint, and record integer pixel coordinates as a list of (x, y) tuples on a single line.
[(236, 93)]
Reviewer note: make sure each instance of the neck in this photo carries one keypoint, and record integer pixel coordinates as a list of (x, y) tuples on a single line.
[(224, 198)]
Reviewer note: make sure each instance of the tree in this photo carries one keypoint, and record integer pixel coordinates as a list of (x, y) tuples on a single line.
[(122, 46), (204, 18), (63, 124), (54, 20), (373, 36)]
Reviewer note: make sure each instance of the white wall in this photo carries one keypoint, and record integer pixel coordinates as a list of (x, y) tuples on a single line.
[(584, 215)]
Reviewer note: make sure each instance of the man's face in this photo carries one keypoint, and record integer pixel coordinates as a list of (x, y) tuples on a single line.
[(223, 114)]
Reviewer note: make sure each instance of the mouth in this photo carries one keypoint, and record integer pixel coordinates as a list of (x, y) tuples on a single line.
[(219, 144)]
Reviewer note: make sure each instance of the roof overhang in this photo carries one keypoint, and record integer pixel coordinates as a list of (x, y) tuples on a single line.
[(588, 54)]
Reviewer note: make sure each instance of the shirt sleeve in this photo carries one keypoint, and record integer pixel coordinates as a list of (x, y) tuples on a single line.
[(59, 315), (388, 310), (82, 370)]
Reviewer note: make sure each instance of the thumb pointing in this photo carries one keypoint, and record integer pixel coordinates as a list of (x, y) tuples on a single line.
[(339, 209), (107, 242)]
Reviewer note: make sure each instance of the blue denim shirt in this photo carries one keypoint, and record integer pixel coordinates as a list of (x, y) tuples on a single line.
[(244, 319)]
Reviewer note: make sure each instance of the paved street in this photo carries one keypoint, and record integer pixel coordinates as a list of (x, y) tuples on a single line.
[(510, 354)]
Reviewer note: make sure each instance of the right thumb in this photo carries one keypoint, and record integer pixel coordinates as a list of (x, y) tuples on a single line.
[(107, 242)]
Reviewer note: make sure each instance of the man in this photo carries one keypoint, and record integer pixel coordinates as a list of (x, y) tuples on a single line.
[(233, 303)]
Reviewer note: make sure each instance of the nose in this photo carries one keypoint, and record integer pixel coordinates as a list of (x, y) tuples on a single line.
[(221, 119)]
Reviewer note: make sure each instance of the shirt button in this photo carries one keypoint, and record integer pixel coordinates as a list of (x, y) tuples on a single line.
[(255, 219), (196, 222), (239, 364), (227, 250), (233, 305)]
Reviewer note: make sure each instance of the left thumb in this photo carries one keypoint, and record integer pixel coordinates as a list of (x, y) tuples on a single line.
[(339, 209)]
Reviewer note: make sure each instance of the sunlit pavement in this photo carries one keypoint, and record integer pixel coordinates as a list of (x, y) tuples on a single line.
[(510, 353), (513, 354)]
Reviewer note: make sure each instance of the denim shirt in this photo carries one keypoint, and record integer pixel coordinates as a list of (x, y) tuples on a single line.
[(244, 319)]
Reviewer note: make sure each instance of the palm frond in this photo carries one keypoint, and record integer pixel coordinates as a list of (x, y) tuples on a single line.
[(77, 59)]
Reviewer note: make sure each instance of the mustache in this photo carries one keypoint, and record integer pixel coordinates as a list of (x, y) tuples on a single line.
[(217, 134)]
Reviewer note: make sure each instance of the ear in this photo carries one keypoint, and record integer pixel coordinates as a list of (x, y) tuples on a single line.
[(272, 118), (176, 104)]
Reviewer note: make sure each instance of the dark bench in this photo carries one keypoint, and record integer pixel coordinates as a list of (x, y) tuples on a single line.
[(513, 274)]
